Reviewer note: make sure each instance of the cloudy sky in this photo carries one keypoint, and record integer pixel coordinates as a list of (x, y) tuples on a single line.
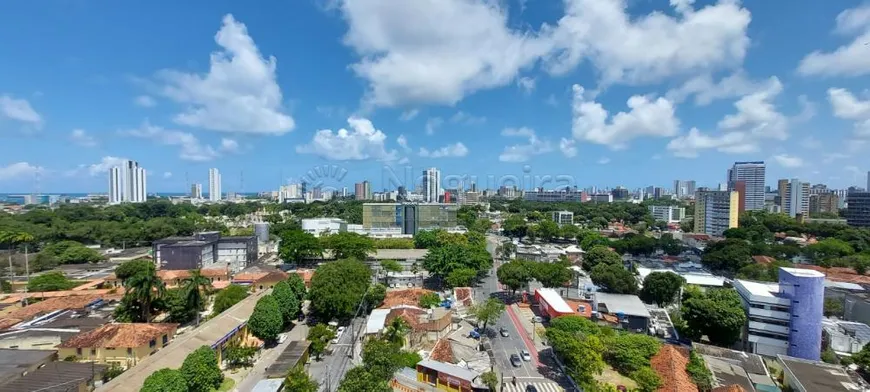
[(604, 92)]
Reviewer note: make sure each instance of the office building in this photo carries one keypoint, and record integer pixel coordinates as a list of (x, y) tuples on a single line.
[(362, 190), (797, 198), (323, 226), (431, 185), (559, 195), (784, 318), (715, 211), (214, 185), (752, 174), (620, 193), (563, 217), (409, 218), (818, 189), (196, 191), (601, 198), (127, 183), (858, 209), (205, 250), (670, 214), (781, 190), (824, 203), (683, 189)]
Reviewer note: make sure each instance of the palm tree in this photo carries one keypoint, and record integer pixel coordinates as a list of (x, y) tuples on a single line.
[(397, 330), (195, 288), (145, 288)]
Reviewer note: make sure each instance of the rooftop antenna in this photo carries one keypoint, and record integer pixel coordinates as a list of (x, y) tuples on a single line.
[(241, 182)]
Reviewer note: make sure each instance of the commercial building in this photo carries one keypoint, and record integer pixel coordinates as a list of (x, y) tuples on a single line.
[(196, 191), (559, 195), (120, 344), (629, 309), (362, 191), (784, 318), (715, 211), (563, 217), (431, 185), (205, 250), (845, 337), (320, 226), (551, 303), (796, 200), (214, 185), (670, 214), (127, 183), (752, 174), (824, 203), (409, 218), (620, 193), (601, 198), (858, 209), (683, 189)]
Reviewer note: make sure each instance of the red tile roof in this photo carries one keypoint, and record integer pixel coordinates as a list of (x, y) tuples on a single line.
[(670, 364), (463, 295), (729, 388), (403, 297), (838, 274), (442, 352), (120, 335), (12, 316)]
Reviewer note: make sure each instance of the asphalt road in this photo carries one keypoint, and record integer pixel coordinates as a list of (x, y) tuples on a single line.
[(331, 368), (299, 332)]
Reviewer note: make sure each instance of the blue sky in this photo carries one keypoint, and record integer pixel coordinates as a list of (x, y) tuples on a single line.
[(604, 92)]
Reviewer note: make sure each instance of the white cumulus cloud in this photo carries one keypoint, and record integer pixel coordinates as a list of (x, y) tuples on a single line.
[(240, 93), (19, 110), (229, 145), (103, 165), (524, 152), (847, 60), (568, 148), (789, 161), (691, 144), (18, 170), (757, 114), (646, 117), (145, 101), (362, 141), (191, 148), (455, 150), (81, 138), (847, 106)]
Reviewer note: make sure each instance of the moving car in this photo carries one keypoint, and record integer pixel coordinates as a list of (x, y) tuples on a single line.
[(515, 360), (531, 388), (525, 355), (504, 332)]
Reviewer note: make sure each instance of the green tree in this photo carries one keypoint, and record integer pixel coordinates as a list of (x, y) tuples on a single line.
[(201, 370), (829, 356), (287, 301), (429, 300), (297, 285), (299, 247), (506, 250), (165, 380), (647, 380), (551, 274), (698, 371), (240, 355), (375, 296), (582, 355), (515, 274), (661, 288), (600, 255), (834, 307), (828, 248), (728, 256), (630, 352), (396, 331), (461, 277), (490, 379), (228, 297), (299, 381), (388, 266), (718, 314), (425, 239), (142, 289), (588, 239), (614, 278), (337, 288), (319, 336), (195, 289), (176, 302), (862, 358), (380, 359), (50, 281), (515, 226), (133, 267), (266, 321), (442, 260), (5, 286), (348, 245), (359, 379), (548, 230), (574, 325), (487, 312)]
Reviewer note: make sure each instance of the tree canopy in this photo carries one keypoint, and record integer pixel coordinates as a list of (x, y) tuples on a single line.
[(50, 281), (228, 297), (718, 314), (201, 370), (661, 288), (165, 380), (346, 245), (600, 255), (614, 278), (288, 302), (515, 274), (266, 321), (487, 312), (337, 288), (299, 247)]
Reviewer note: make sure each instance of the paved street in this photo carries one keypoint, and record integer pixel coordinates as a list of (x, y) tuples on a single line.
[(536, 372), (299, 332), (331, 368)]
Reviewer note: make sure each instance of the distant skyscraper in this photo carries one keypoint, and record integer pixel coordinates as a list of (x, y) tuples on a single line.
[(797, 198), (344, 191), (684, 188), (362, 191), (196, 191), (752, 173), (715, 211), (431, 185), (214, 185), (781, 190), (127, 183)]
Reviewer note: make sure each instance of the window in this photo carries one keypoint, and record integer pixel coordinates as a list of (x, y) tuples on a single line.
[(93, 351), (152, 343), (165, 339), (129, 351), (78, 351)]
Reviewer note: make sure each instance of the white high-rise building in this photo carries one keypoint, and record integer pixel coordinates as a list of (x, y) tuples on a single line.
[(196, 191), (214, 185), (797, 198), (431, 185), (752, 175), (127, 183)]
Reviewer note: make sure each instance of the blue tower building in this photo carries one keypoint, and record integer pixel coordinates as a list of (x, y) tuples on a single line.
[(806, 290)]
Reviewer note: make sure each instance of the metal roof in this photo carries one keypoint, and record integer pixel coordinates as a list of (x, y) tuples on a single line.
[(449, 369), (288, 359), (630, 305), (377, 320), (56, 376), (270, 385), (555, 300)]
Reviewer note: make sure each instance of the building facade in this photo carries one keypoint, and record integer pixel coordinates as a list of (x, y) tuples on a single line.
[(409, 218), (715, 211), (753, 175), (784, 318), (563, 217), (196, 191), (670, 214), (120, 344), (127, 183), (431, 185), (214, 185), (683, 189), (824, 203), (562, 195), (858, 209), (797, 198), (205, 250)]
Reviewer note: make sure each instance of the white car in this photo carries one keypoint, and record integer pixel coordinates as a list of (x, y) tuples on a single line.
[(525, 355), (282, 338)]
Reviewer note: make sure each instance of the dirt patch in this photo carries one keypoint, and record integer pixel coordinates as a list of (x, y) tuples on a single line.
[(611, 376)]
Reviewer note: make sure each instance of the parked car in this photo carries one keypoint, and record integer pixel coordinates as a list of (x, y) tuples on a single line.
[(282, 338), (525, 355), (515, 360), (504, 332)]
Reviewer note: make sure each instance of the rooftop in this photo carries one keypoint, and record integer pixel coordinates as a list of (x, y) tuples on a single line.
[(403, 297), (120, 335), (628, 304), (377, 320), (761, 289), (838, 274), (807, 273), (288, 359), (442, 352), (449, 369), (670, 364), (555, 300), (268, 385), (14, 315), (57, 376), (13, 361), (820, 376)]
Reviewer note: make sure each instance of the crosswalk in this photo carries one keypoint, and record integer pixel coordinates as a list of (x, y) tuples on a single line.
[(539, 386)]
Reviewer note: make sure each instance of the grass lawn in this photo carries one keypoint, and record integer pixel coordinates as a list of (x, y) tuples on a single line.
[(611, 376), (227, 385)]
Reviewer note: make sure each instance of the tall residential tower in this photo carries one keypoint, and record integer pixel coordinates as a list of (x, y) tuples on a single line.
[(214, 185), (431, 185), (752, 176), (127, 183)]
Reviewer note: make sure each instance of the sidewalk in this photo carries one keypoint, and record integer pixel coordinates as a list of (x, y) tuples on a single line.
[(525, 316)]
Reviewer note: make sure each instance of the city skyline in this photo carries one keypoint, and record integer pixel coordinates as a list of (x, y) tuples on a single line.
[(763, 88)]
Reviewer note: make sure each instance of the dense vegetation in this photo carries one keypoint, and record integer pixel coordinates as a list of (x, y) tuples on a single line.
[(381, 358), (200, 372)]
